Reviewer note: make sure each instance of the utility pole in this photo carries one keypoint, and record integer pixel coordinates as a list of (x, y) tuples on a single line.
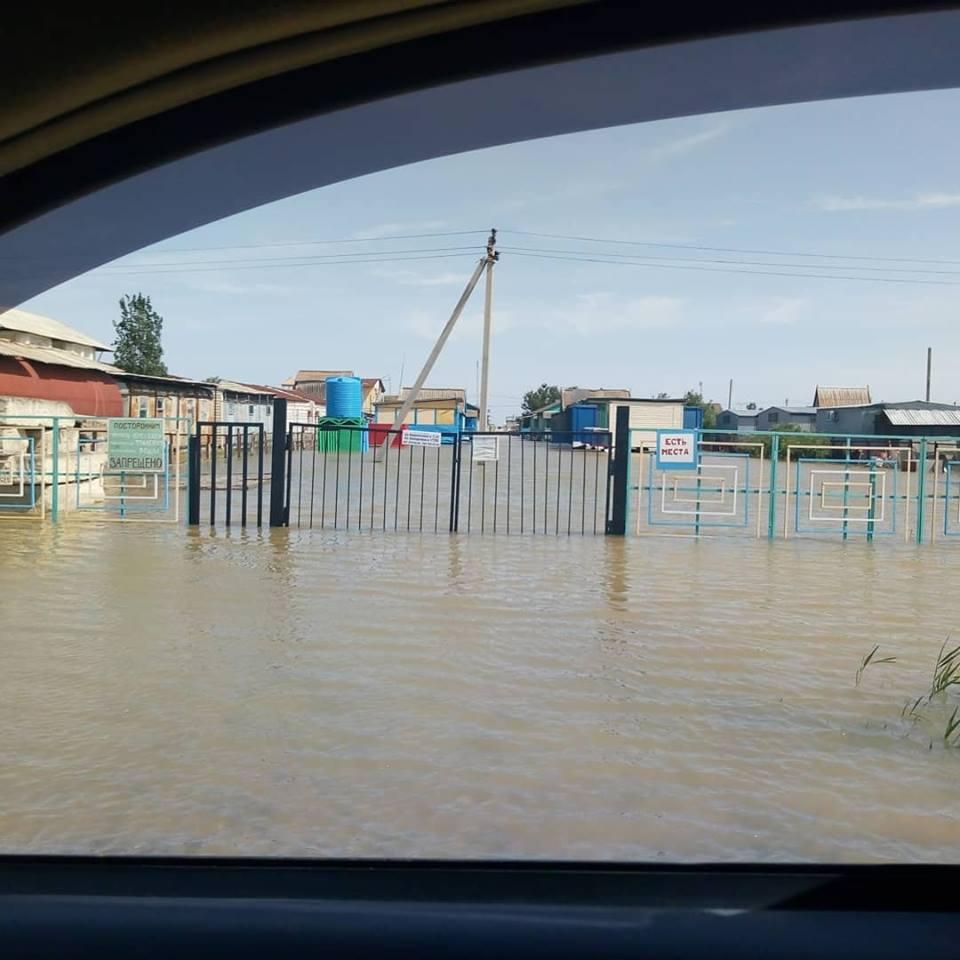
[(730, 395), (407, 404), (489, 261), (929, 365)]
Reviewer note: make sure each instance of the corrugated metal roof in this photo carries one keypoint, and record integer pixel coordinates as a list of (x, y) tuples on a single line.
[(902, 417), (24, 322), (233, 386), (313, 376), (545, 408), (170, 379), (436, 393), (62, 358), (298, 396), (395, 401), (571, 395), (841, 396)]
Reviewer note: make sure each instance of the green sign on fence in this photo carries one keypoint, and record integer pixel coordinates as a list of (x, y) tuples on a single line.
[(135, 444)]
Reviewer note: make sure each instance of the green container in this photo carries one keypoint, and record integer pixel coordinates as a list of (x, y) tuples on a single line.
[(330, 439)]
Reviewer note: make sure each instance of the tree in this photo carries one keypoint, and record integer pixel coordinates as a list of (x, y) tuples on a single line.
[(137, 347), (810, 445), (541, 397), (751, 405), (694, 399), (662, 396)]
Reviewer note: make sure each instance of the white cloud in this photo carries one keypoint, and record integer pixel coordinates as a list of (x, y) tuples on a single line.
[(226, 286), (602, 311), (589, 187), (410, 278), (587, 313), (580, 189), (783, 311), (379, 230), (425, 324), (681, 146), (921, 201)]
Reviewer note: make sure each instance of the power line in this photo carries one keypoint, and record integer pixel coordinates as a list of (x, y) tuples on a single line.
[(305, 243), (296, 261), (269, 264), (758, 273), (60, 255), (747, 250), (745, 263)]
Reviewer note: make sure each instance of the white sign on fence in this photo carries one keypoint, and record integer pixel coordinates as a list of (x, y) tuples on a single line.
[(135, 444), (420, 438), (677, 450), (486, 449)]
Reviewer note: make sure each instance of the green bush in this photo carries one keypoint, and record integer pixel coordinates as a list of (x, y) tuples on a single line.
[(814, 445)]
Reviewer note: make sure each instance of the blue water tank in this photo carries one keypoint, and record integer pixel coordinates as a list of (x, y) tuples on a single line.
[(344, 397)]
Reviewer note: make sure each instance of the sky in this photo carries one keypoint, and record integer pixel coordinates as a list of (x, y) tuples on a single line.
[(833, 231)]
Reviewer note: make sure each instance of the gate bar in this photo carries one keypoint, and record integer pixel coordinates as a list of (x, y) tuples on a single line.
[(278, 464), (617, 522)]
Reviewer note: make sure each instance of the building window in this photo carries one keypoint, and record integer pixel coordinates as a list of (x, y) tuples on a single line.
[(160, 406), (773, 417), (144, 407), (250, 411)]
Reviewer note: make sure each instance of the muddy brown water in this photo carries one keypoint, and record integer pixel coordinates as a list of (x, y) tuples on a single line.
[(317, 693)]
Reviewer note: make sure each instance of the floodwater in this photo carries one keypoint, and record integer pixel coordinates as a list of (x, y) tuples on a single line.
[(318, 693)]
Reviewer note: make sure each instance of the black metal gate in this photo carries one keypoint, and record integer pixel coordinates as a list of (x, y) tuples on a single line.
[(419, 479), (422, 480), (226, 462), (362, 478)]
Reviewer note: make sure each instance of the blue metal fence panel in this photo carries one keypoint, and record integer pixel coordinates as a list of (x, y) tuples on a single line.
[(18, 473), (845, 497)]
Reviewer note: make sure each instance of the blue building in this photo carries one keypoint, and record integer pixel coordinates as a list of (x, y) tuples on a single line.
[(776, 418), (439, 410), (738, 420)]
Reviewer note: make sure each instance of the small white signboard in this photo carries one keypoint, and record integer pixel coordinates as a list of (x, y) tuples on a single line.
[(677, 450), (486, 449), (420, 438)]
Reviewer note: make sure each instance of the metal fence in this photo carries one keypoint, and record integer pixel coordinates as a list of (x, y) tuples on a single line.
[(348, 477), (52, 467), (784, 485), (760, 485)]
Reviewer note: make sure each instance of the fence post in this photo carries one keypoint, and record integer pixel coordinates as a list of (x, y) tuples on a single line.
[(846, 490), (772, 498), (55, 454), (193, 480), (454, 479), (278, 464), (617, 521), (922, 487)]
